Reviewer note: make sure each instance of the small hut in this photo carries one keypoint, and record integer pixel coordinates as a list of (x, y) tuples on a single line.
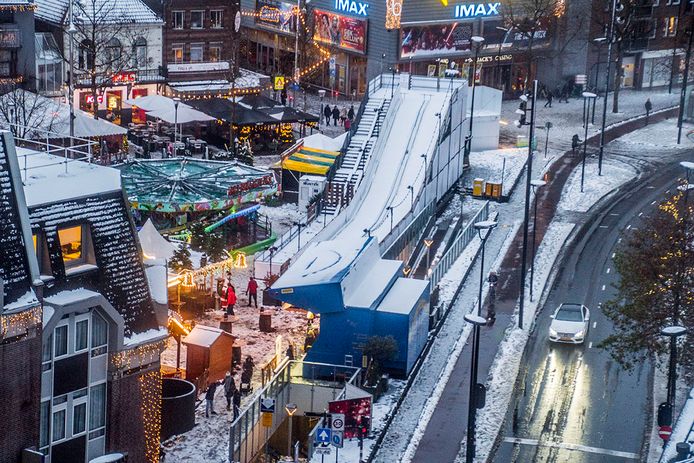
[(209, 349)]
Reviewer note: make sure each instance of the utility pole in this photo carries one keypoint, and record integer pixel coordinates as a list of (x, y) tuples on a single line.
[(71, 83), (685, 81)]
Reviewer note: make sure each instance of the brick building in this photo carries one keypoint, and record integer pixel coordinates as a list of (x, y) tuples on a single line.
[(80, 337)]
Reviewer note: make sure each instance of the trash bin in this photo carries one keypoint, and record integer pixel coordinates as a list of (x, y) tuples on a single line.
[(493, 189), (478, 187)]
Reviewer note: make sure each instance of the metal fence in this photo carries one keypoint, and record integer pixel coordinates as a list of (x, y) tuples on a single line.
[(406, 233), (458, 246)]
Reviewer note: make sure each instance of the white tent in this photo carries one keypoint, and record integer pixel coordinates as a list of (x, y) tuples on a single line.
[(154, 246), (323, 142), (43, 117), (164, 108)]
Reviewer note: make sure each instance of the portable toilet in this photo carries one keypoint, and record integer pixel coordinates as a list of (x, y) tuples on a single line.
[(478, 187), (310, 186)]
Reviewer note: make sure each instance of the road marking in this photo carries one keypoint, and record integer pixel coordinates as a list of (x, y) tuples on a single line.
[(653, 202), (595, 324), (568, 446), (613, 214), (613, 254), (619, 240), (608, 269), (650, 187), (640, 214), (628, 227), (590, 345), (603, 287), (603, 226)]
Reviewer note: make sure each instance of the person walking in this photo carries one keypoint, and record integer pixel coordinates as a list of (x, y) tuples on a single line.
[(343, 116), (549, 99), (209, 398), (229, 388), (252, 292), (290, 352), (231, 299), (648, 106), (327, 112), (237, 403), (348, 124), (350, 113), (575, 141), (336, 115)]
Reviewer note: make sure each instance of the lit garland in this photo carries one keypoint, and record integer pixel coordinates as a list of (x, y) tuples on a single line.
[(18, 323), (31, 7), (141, 355), (11, 80), (150, 397)]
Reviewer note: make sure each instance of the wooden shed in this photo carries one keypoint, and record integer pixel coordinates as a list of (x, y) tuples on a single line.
[(209, 349)]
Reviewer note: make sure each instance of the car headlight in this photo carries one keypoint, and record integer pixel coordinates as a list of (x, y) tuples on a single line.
[(553, 333), (579, 334)]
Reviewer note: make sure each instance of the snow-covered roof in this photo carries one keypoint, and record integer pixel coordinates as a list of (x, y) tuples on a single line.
[(204, 336), (373, 283), (48, 179), (70, 296), (324, 142), (153, 244), (107, 11), (150, 335), (158, 283), (24, 301), (403, 295), (15, 2)]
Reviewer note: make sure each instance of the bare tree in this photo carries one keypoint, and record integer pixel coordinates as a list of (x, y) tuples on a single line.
[(26, 114), (101, 28)]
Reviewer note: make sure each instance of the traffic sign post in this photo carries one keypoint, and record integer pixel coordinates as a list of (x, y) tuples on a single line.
[(337, 422), (323, 435), (665, 432), (267, 419), (337, 440), (267, 405)]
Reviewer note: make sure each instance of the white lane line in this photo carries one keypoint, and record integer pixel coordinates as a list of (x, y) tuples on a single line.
[(603, 287), (640, 214), (595, 324), (614, 214), (590, 345), (568, 446), (603, 226), (653, 202), (619, 240), (608, 270), (650, 187), (628, 227), (613, 254)]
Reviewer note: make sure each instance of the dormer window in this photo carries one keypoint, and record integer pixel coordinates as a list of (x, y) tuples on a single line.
[(76, 249), (42, 256)]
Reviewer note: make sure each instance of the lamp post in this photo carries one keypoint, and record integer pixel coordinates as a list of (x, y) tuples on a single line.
[(11, 117), (498, 55), (321, 95), (428, 242), (610, 39), (71, 83), (390, 209), (477, 41), (296, 44), (685, 80), (535, 184), (177, 100), (598, 42), (426, 177), (587, 97), (290, 408), (484, 229), (673, 332), (411, 188)]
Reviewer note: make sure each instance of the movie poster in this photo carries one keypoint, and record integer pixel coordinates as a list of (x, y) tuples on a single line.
[(434, 40), (276, 15), (357, 412), (341, 31)]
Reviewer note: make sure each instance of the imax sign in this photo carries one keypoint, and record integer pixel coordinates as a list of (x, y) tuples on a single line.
[(473, 10), (352, 6)]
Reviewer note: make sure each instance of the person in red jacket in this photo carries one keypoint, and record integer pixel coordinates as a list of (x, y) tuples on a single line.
[(231, 299), (252, 292)]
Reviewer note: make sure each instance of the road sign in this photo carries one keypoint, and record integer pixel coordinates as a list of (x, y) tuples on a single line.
[(278, 83), (581, 79), (338, 422), (665, 432), (267, 419), (322, 450), (323, 435), (336, 439), (267, 405)]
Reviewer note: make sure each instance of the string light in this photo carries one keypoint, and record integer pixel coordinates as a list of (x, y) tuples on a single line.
[(141, 355), (31, 7), (19, 323), (150, 395)]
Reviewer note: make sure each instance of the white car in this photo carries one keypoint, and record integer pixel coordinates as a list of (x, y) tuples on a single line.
[(570, 323)]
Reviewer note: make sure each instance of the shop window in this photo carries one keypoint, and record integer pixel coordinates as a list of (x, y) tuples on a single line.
[(177, 53), (177, 19), (670, 26), (216, 19), (58, 425), (75, 242), (60, 341), (196, 51), (216, 52), (197, 19), (140, 53)]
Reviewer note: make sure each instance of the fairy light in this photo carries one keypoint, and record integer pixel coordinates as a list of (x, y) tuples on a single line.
[(140, 355), (150, 395), (31, 7), (19, 323)]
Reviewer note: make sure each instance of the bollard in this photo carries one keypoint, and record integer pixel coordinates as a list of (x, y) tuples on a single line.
[(682, 449)]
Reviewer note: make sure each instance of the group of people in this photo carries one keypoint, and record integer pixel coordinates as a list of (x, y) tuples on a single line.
[(343, 116), (231, 392), (229, 297)]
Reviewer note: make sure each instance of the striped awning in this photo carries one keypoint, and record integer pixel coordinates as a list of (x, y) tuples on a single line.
[(310, 161)]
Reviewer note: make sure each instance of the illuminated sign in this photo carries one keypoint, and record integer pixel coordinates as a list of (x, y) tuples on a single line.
[(250, 185), (352, 6), (490, 59), (474, 10), (124, 78), (89, 99), (278, 83), (393, 14)]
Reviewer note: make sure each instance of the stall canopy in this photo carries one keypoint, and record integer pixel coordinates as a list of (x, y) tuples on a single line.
[(227, 111), (164, 108), (257, 101), (189, 185), (310, 160), (287, 115), (154, 246), (44, 117)]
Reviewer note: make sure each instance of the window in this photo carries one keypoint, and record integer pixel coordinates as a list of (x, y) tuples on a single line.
[(79, 418), (113, 53), (45, 416), (75, 246), (81, 332), (42, 256), (58, 425), (47, 354), (196, 50), (140, 53), (670, 26), (216, 19), (60, 338), (216, 52), (177, 53), (99, 331), (97, 405), (197, 19), (85, 55), (177, 19)]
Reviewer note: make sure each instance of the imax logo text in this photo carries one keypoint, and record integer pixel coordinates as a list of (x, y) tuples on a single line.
[(477, 9), (352, 6)]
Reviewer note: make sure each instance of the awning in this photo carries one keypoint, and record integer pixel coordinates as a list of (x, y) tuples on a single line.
[(310, 161), (224, 109)]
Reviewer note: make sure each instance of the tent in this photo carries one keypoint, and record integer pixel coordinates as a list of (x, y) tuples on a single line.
[(153, 244), (288, 115), (164, 108), (224, 109), (47, 118), (324, 142), (310, 161)]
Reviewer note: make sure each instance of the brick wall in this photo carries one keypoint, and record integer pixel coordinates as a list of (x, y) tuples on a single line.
[(20, 390)]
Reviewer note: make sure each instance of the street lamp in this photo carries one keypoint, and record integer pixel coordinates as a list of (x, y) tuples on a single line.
[(428, 242), (598, 42), (535, 184), (477, 41), (587, 97), (411, 188), (477, 391), (321, 95), (673, 332), (177, 100), (484, 229), (610, 39), (390, 209), (290, 408), (272, 250), (426, 177), (498, 56)]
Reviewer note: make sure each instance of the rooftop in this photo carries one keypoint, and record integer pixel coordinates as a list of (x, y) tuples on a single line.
[(403, 295), (107, 11), (204, 336)]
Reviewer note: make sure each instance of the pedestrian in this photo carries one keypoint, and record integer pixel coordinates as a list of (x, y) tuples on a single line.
[(209, 398), (648, 106), (350, 113), (327, 113), (343, 116), (252, 292), (283, 96), (575, 141), (549, 99), (336, 115), (229, 388), (290, 352), (348, 124), (237, 403), (231, 299)]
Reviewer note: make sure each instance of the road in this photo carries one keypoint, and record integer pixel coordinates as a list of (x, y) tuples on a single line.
[(575, 403)]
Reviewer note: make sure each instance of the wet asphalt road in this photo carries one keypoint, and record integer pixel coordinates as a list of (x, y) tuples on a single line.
[(574, 403)]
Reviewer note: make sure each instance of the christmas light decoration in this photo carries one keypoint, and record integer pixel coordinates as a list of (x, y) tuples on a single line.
[(31, 7), (141, 355), (150, 396), (19, 323)]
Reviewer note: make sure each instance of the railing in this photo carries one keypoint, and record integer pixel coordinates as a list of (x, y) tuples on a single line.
[(458, 246), (406, 232)]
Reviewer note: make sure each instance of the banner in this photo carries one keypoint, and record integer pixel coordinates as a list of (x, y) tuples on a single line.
[(357, 412), (276, 15), (393, 14), (341, 31), (434, 40)]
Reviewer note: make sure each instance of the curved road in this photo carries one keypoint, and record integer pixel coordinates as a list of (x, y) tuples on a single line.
[(574, 403)]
